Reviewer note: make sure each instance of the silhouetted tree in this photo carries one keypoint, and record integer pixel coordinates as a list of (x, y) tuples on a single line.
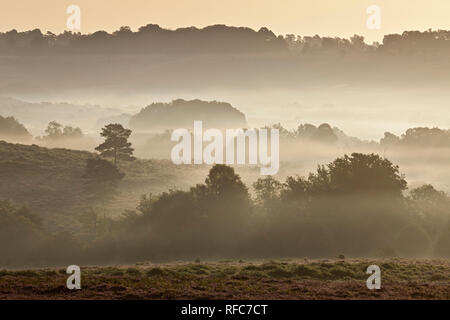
[(363, 173), (222, 181), (116, 143)]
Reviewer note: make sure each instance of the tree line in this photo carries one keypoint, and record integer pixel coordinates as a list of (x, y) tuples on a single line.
[(219, 39)]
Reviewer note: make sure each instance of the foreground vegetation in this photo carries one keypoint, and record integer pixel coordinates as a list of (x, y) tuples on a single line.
[(281, 279)]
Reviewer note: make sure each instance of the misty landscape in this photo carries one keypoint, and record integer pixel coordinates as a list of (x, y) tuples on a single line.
[(86, 173)]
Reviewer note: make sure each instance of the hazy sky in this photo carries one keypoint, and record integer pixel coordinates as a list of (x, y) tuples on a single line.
[(324, 17)]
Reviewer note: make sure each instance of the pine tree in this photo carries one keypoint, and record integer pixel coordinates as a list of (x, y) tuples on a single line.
[(116, 143)]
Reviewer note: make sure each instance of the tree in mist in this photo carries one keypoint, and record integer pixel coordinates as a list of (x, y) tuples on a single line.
[(225, 199), (101, 178), (322, 134), (116, 143), (213, 215), (358, 195), (429, 194), (362, 173), (389, 139), (433, 208), (57, 131), (325, 134), (222, 181), (267, 189), (54, 130), (421, 137)]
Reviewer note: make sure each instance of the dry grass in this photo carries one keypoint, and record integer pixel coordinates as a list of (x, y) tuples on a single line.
[(280, 279)]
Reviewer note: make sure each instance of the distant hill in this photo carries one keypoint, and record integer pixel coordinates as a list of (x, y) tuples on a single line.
[(182, 114), (13, 130)]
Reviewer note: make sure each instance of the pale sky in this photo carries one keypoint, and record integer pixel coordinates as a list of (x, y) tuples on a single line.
[(324, 17)]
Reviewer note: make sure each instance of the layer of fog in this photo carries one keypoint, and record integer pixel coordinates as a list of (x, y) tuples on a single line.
[(365, 112)]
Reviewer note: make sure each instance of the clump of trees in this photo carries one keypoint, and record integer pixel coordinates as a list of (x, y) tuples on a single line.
[(64, 136), (56, 131), (323, 133), (421, 137)]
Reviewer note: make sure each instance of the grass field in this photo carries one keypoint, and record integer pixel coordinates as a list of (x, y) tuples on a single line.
[(280, 279)]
